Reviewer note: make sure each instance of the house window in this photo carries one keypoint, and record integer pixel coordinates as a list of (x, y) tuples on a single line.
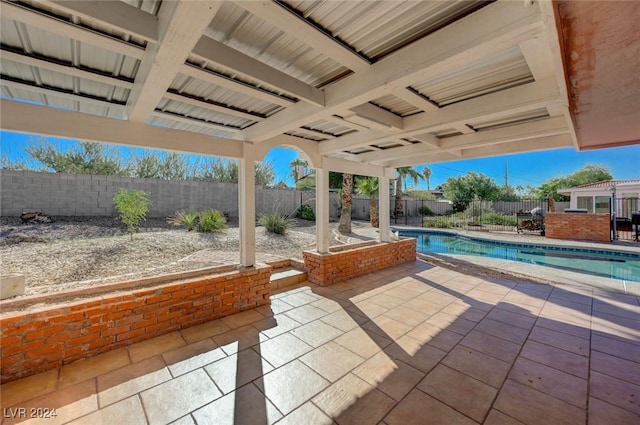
[(586, 202), (603, 204), (629, 204)]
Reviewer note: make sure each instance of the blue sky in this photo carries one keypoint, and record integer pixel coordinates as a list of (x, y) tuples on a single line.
[(524, 169)]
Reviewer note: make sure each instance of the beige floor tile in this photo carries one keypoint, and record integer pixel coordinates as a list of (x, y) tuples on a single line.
[(424, 332), (392, 377), (406, 315), (615, 347), (463, 393), (331, 361), (282, 349), (566, 328), (463, 310), (155, 346), (423, 306), (502, 330), (485, 296), (491, 345), (615, 391), (445, 340), (496, 417), (623, 328), (419, 408), (291, 385), (206, 330), (550, 381), (535, 408), (494, 288), (560, 340), (451, 323), (367, 309), (275, 325), (306, 313), (616, 367), (176, 398), (328, 305), (353, 401), (601, 413), (245, 406), (94, 366), (69, 404), (299, 299), (185, 420), (275, 306), (239, 339), (316, 333), (524, 300), (129, 380), (556, 358), (244, 318), (438, 297), (385, 300), (307, 414), (129, 408), (387, 327), (345, 321), (423, 357), (193, 356), (25, 389), (363, 343), (511, 318), (477, 365), (234, 371)]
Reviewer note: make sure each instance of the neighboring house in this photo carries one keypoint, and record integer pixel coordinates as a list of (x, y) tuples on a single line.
[(596, 197)]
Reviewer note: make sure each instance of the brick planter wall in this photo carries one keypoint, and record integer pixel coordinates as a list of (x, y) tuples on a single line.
[(36, 340), (577, 226), (347, 262)]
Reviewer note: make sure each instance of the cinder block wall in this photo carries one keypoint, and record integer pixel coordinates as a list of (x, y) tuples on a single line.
[(39, 339), (91, 195), (584, 227)]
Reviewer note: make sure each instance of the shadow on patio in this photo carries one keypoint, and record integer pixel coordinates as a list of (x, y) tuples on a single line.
[(414, 344)]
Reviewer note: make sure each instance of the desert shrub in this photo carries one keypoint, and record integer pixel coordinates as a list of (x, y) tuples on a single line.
[(499, 219), (275, 223), (305, 212), (184, 218), (132, 206), (211, 221), (439, 223), (425, 210)]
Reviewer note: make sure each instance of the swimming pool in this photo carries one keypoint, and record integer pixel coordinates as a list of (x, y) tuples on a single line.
[(595, 262)]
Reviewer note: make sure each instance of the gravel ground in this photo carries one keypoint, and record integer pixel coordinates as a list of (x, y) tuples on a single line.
[(74, 252)]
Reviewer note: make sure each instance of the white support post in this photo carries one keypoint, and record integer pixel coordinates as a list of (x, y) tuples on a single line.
[(322, 210), (384, 217), (247, 207)]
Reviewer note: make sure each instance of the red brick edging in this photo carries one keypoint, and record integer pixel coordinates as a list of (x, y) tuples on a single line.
[(578, 226)]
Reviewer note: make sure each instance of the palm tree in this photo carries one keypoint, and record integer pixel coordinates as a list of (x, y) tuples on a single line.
[(345, 212), (295, 166), (426, 173), (368, 186), (403, 173)]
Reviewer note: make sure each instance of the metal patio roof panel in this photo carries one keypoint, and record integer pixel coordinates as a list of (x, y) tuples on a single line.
[(376, 29), (330, 128), (251, 35), (396, 105), (194, 128), (204, 90), (180, 108), (505, 70), (512, 119)]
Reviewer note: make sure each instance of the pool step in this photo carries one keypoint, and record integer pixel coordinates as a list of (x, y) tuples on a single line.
[(281, 278)]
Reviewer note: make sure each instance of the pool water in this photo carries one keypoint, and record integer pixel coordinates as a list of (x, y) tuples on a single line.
[(614, 265)]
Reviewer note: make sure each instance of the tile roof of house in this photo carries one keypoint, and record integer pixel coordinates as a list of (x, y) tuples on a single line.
[(607, 183)]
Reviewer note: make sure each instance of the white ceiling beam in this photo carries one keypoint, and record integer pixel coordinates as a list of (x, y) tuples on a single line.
[(523, 98), (211, 106), (345, 166), (428, 139), (118, 15), (316, 133), (344, 123), (194, 121), (491, 30), (378, 115), (64, 69), (211, 50), (521, 146), (70, 30), (64, 95), (180, 27), (234, 85), (418, 101), (290, 23), (19, 117)]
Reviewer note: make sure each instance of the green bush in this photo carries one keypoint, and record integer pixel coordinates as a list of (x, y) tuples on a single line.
[(275, 223), (186, 219), (439, 223), (425, 210), (499, 219), (132, 205), (211, 221), (305, 212)]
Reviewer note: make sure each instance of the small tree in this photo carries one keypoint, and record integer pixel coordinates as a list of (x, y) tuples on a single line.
[(368, 186), (132, 205), (346, 200)]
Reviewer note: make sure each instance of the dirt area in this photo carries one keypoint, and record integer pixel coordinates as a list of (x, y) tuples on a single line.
[(74, 252)]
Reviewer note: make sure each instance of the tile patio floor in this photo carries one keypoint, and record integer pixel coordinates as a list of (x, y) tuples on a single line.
[(410, 345)]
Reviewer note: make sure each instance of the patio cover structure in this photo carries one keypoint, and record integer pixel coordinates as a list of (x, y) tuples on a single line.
[(358, 87)]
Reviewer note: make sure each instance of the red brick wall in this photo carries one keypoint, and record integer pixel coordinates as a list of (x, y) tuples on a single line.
[(40, 339), (348, 262), (576, 226)]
